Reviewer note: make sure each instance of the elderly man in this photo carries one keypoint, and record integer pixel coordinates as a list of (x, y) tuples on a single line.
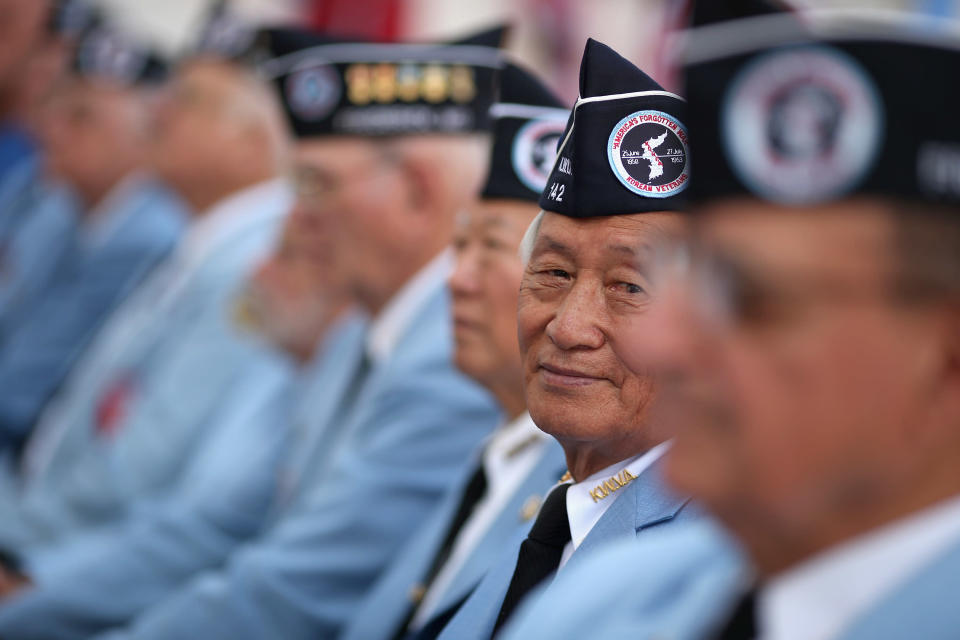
[(502, 486), (94, 139), (135, 405), (811, 348), (608, 206), (386, 177)]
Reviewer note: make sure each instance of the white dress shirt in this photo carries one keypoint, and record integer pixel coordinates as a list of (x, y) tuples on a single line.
[(511, 452), (820, 598), (587, 502)]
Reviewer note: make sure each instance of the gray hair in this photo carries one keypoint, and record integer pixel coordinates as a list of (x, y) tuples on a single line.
[(530, 238)]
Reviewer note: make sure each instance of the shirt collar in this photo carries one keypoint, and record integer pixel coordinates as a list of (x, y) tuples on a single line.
[(510, 440), (251, 206), (393, 320), (821, 597), (587, 501)]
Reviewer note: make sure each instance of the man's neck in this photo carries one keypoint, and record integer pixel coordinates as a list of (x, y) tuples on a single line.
[(585, 459)]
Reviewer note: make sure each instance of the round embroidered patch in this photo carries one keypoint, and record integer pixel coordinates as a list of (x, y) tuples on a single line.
[(313, 92), (648, 154), (802, 125), (534, 150)]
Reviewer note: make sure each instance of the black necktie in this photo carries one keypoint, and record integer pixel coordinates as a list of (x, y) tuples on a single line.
[(742, 623), (540, 553), (472, 493)]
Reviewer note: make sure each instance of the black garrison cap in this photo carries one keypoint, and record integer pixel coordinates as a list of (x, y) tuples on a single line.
[(806, 108), (625, 147), (370, 89), (105, 52), (528, 122)]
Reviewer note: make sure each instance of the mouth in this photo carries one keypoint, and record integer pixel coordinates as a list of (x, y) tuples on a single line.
[(566, 377), (463, 323)]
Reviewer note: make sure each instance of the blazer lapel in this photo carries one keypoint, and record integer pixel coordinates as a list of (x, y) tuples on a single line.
[(646, 502)]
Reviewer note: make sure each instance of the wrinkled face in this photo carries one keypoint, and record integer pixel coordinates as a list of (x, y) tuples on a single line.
[(92, 131), (788, 365), (359, 196), (586, 290), (196, 130), (484, 286)]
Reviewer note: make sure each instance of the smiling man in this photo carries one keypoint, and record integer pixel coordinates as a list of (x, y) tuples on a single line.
[(585, 289), (809, 348)]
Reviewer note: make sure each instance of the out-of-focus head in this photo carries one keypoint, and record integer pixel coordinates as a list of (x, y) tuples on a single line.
[(219, 129), (809, 355), (35, 43), (528, 123), (620, 173), (95, 123), (295, 293), (22, 31), (391, 146)]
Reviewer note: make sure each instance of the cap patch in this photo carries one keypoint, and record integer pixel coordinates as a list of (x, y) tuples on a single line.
[(534, 150), (802, 125), (313, 92), (648, 153)]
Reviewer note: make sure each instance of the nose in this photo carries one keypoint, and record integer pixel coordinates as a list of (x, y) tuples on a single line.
[(579, 318), (464, 280)]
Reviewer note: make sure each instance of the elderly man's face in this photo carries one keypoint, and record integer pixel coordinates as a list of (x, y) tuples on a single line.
[(586, 289), (347, 185), (789, 365), (484, 285)]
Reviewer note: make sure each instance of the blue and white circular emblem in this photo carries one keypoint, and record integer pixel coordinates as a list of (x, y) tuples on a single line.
[(313, 92), (534, 150), (802, 125), (648, 153)]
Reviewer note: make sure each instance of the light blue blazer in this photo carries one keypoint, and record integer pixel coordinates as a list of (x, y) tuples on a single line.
[(685, 587), (388, 604), (181, 365), (644, 506), (406, 440), (224, 499), (38, 220), (91, 279), (678, 584)]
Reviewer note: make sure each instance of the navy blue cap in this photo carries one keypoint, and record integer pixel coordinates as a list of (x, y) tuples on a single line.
[(808, 109), (339, 87), (105, 52), (625, 147), (528, 123)]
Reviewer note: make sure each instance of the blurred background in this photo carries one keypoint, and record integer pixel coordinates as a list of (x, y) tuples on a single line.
[(548, 34)]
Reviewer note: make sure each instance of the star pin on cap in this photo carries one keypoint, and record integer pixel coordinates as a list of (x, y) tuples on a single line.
[(528, 122), (625, 148), (820, 106)]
